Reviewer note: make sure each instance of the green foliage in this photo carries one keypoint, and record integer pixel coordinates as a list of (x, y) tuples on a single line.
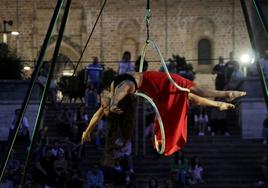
[(10, 65), (73, 86), (183, 68)]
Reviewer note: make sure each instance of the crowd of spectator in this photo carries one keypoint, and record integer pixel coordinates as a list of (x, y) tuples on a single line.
[(55, 160)]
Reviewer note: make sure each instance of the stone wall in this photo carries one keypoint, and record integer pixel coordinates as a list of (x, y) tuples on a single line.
[(176, 26)]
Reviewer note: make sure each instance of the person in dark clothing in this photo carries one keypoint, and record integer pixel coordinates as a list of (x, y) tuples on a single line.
[(219, 69)]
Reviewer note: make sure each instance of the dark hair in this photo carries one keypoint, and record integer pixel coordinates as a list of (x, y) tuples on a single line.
[(125, 54), (119, 126), (137, 65)]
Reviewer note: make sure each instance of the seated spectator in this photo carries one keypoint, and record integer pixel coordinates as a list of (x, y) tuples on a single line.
[(168, 183), (60, 168), (265, 168), (196, 171), (64, 122), (100, 133), (180, 167), (24, 133), (123, 153), (5, 183), (75, 179), (150, 116), (265, 130), (130, 185), (119, 175), (81, 121), (152, 183), (95, 178), (56, 148), (13, 170), (264, 172), (44, 170)]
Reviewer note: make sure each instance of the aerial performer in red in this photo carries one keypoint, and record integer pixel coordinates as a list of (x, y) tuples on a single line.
[(172, 104)]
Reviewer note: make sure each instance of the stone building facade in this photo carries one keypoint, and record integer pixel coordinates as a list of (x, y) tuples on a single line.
[(177, 26)]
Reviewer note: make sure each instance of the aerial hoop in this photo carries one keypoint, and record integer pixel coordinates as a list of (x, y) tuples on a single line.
[(163, 142)]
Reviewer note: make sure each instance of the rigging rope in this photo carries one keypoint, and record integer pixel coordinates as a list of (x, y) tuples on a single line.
[(153, 45)]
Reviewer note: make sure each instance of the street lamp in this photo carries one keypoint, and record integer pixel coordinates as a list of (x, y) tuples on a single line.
[(6, 32)]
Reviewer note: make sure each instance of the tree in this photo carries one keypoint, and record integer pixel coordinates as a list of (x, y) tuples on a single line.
[(10, 65)]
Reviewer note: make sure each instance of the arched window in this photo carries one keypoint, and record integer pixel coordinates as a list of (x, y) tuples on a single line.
[(204, 52)]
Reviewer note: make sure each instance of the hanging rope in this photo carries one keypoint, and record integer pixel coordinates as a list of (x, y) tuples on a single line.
[(153, 45), (89, 37)]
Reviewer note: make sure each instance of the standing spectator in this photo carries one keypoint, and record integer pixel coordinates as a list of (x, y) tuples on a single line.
[(218, 122), (236, 78), (137, 65), (229, 67), (196, 171), (42, 79), (91, 96), (219, 70), (201, 120), (125, 65), (24, 133), (95, 178), (265, 130), (264, 63), (94, 73)]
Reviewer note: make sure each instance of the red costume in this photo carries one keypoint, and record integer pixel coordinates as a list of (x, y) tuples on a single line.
[(172, 105)]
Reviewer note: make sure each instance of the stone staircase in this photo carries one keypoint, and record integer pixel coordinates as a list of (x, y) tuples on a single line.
[(227, 161)]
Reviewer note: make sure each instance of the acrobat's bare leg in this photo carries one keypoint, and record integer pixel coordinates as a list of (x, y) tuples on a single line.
[(228, 95), (201, 101)]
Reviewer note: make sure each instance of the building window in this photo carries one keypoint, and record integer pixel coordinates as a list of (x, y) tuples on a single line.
[(204, 52)]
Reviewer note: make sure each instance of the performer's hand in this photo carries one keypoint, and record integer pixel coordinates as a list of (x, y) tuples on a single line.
[(85, 137), (114, 108)]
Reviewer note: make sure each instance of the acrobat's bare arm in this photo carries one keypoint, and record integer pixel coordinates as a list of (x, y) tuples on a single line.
[(93, 122), (123, 89), (201, 101)]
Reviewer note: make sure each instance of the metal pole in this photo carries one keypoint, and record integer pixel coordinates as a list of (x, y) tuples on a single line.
[(254, 47), (46, 89), (30, 88)]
